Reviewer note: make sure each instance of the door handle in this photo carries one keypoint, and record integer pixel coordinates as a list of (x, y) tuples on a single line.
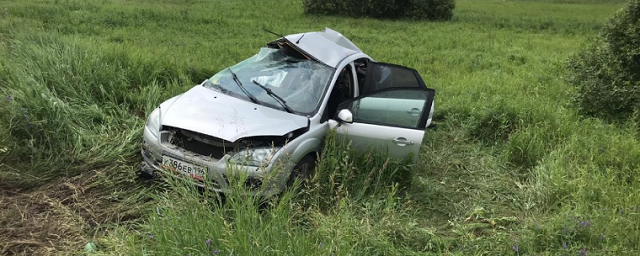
[(402, 141), (414, 111)]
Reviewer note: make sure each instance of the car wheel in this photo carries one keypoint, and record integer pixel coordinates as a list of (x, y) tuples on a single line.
[(142, 172), (144, 175), (303, 170)]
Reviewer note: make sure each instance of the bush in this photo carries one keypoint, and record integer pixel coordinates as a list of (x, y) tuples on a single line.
[(415, 9), (430, 9), (607, 74)]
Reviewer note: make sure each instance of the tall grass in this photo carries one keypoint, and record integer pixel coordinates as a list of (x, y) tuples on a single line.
[(68, 108), (510, 166), (339, 211)]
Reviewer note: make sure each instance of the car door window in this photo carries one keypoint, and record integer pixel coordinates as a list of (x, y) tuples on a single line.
[(398, 107), (343, 90), (384, 76)]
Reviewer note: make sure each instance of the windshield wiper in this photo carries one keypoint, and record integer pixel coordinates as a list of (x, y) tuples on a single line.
[(235, 78), (274, 96)]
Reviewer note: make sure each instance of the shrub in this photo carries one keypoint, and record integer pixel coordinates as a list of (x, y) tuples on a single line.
[(431, 9), (415, 9), (322, 7), (607, 74)]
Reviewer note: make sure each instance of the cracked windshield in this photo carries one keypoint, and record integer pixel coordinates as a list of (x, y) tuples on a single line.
[(299, 82)]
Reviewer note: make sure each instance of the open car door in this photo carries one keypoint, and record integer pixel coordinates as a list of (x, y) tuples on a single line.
[(392, 113)]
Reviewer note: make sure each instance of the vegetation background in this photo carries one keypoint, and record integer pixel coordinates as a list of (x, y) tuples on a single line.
[(386, 9), (512, 169)]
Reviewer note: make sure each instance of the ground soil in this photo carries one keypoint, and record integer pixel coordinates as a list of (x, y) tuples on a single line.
[(57, 218)]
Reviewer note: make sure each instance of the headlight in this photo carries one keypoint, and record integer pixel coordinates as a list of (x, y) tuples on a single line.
[(254, 156), (153, 122)]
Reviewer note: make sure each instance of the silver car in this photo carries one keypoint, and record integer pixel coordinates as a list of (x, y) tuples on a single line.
[(271, 112)]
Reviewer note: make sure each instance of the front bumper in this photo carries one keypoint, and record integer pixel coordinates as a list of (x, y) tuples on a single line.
[(259, 181)]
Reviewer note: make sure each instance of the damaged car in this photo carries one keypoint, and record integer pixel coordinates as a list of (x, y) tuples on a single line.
[(271, 112)]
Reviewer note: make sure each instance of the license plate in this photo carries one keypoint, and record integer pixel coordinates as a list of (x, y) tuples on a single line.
[(192, 170)]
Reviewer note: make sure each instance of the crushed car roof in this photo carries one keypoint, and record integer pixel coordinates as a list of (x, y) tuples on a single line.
[(327, 46)]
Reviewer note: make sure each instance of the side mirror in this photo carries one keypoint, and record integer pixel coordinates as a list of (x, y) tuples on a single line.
[(345, 116)]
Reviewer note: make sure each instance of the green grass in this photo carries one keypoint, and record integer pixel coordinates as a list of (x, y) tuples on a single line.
[(510, 164)]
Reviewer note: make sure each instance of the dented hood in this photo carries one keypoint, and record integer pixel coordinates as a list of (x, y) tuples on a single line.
[(219, 115)]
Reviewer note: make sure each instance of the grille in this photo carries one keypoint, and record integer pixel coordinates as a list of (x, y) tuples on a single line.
[(200, 144)]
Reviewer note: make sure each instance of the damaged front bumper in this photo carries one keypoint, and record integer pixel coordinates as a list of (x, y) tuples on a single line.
[(259, 181)]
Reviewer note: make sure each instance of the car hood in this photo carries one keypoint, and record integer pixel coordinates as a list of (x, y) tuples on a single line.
[(209, 112)]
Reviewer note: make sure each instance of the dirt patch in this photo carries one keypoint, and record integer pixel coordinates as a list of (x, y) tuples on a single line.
[(37, 223), (59, 218)]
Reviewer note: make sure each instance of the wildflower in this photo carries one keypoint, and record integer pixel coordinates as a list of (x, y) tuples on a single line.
[(9, 98), (151, 237), (216, 251), (581, 224), (565, 230), (586, 223), (515, 247), (564, 245), (208, 242), (320, 245), (538, 226)]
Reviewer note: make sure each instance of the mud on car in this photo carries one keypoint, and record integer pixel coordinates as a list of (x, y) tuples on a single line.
[(273, 110)]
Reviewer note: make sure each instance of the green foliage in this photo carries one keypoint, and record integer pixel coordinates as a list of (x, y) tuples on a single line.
[(607, 74), (339, 212), (69, 105), (509, 153), (389, 9), (343, 171), (430, 9), (496, 125)]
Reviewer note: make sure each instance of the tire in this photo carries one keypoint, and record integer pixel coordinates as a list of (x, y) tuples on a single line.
[(303, 170), (143, 172)]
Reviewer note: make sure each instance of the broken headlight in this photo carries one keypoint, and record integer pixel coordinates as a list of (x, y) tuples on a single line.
[(254, 156), (153, 122)]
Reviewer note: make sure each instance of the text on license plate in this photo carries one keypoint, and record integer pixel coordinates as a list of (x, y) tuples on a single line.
[(194, 171)]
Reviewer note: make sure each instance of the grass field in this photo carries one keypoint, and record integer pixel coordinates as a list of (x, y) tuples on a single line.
[(511, 169)]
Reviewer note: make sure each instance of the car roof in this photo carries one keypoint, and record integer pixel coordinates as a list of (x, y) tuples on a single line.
[(327, 46)]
